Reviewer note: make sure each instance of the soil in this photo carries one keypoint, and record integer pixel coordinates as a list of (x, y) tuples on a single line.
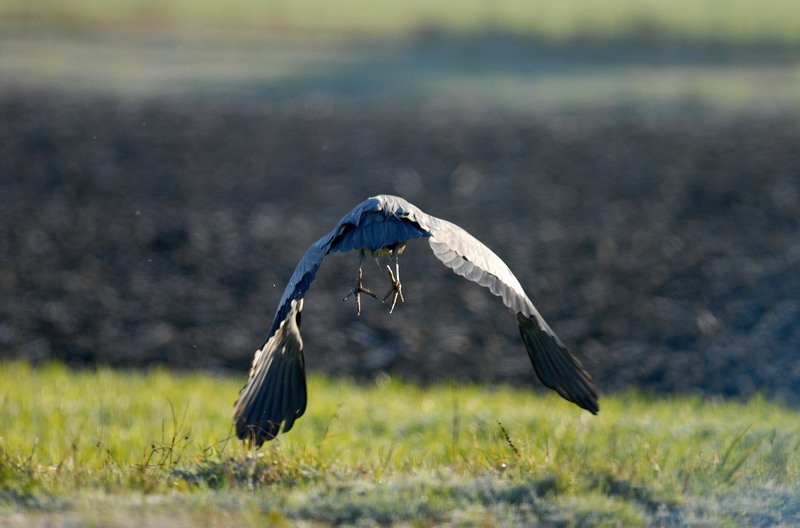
[(664, 251)]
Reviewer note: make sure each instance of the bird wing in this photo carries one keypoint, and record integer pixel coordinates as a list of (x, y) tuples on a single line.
[(372, 224), (467, 256), (275, 392)]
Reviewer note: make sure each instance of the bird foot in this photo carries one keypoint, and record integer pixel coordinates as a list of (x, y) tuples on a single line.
[(357, 290), (395, 288)]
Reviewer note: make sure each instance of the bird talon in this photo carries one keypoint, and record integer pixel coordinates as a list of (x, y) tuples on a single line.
[(396, 288), (358, 289)]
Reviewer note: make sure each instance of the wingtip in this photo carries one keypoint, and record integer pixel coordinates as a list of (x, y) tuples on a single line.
[(556, 367), (275, 393)]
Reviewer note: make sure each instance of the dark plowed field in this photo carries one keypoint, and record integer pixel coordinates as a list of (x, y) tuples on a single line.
[(666, 253)]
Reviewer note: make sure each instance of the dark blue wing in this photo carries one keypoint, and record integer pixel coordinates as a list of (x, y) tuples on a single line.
[(376, 230), (372, 224)]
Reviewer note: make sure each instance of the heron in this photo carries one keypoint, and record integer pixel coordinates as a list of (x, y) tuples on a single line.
[(275, 395)]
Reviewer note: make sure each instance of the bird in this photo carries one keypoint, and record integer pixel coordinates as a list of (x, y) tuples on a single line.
[(275, 394)]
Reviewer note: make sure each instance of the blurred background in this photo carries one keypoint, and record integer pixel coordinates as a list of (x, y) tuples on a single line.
[(164, 165)]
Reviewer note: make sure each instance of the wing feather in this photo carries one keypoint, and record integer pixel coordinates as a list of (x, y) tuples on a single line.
[(470, 258), (553, 363), (275, 392), (556, 367)]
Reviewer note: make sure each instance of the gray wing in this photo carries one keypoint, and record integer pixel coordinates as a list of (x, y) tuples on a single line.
[(275, 392), (556, 367)]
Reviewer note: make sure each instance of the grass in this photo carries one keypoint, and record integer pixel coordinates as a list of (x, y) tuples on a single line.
[(289, 70), (737, 57), (739, 21), (104, 447)]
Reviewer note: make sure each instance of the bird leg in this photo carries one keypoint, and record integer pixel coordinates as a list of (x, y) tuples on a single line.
[(394, 278), (359, 288)]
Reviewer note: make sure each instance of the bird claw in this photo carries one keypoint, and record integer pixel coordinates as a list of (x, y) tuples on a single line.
[(395, 288), (357, 290)]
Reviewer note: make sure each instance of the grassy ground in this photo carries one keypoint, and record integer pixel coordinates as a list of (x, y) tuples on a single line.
[(460, 74), (735, 57), (706, 20), (102, 446)]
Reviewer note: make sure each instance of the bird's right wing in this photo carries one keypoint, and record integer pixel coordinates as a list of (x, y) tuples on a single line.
[(555, 366)]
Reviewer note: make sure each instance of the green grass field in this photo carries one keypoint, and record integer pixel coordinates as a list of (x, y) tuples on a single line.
[(737, 57), (104, 447), (744, 21)]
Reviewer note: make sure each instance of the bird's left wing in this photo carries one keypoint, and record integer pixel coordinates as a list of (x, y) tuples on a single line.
[(467, 256)]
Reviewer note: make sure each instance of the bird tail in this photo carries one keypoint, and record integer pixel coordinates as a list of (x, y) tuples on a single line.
[(556, 367), (275, 392)]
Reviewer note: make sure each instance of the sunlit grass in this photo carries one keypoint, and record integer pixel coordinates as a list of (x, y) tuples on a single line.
[(716, 20), (388, 451)]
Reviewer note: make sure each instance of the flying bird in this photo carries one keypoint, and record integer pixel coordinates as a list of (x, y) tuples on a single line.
[(275, 393)]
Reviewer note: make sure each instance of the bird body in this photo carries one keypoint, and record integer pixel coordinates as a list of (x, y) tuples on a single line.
[(275, 393)]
